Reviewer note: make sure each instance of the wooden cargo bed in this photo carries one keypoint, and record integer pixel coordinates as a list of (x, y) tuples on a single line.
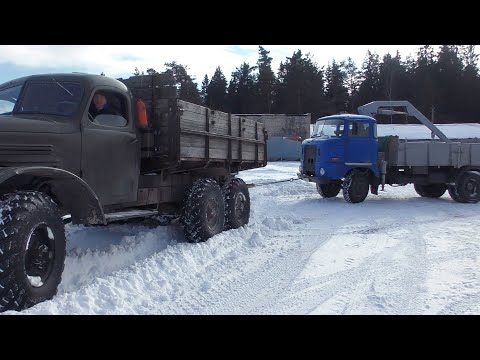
[(183, 135)]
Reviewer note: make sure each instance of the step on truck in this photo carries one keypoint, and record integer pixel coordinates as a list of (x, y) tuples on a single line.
[(152, 155), (345, 154)]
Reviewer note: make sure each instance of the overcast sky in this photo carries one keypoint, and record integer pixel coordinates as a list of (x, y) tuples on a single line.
[(121, 60)]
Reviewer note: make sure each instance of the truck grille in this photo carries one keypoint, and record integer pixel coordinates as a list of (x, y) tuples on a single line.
[(309, 160)]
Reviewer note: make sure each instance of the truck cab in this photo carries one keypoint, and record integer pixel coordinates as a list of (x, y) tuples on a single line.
[(342, 152), (46, 122)]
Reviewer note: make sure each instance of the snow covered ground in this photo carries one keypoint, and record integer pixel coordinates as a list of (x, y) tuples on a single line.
[(395, 253)]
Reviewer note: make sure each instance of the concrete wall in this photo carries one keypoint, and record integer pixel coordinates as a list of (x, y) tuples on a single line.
[(284, 125)]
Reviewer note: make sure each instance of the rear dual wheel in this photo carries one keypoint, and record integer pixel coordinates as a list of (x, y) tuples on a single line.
[(209, 209), (467, 188), (430, 190)]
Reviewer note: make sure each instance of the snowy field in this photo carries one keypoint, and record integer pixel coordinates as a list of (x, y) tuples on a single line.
[(395, 253)]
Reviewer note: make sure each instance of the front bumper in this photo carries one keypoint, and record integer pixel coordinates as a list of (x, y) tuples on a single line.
[(315, 179)]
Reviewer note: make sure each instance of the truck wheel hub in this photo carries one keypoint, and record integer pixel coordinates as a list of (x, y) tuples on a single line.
[(240, 202), (39, 255), (212, 217)]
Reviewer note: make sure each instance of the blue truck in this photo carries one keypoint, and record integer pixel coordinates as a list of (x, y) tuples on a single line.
[(345, 153)]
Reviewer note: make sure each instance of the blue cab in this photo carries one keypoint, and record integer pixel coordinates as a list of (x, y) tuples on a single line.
[(342, 154)]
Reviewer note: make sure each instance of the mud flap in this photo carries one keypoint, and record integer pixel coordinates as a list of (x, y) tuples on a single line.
[(375, 182)]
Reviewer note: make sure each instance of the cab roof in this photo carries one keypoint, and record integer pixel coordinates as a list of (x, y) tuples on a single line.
[(351, 117), (92, 79)]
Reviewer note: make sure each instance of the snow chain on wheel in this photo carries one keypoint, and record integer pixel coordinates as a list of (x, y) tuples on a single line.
[(203, 214), (468, 187), (453, 192), (355, 186), (237, 203), (32, 249), (329, 190)]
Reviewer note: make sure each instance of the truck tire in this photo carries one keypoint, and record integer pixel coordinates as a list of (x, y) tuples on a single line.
[(431, 190), (203, 214), (419, 189), (355, 186), (468, 187), (32, 249), (237, 203), (329, 190), (453, 192)]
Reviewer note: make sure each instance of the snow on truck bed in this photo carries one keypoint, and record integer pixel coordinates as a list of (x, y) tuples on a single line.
[(417, 132)]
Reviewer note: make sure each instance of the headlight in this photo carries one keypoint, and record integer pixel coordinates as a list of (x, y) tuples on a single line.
[(322, 171)]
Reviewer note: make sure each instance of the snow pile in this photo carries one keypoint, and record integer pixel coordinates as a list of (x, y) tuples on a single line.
[(395, 253)]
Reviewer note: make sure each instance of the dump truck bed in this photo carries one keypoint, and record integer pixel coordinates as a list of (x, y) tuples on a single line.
[(182, 135)]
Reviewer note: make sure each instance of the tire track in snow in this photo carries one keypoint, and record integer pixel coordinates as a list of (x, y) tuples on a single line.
[(346, 287)]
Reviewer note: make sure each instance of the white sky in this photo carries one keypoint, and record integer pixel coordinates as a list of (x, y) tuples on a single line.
[(395, 253), (121, 60)]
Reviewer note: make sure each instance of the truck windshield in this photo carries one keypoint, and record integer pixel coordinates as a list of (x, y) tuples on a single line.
[(51, 97), (329, 128), (8, 99)]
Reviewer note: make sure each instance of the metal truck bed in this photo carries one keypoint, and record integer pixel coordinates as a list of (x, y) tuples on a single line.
[(399, 152)]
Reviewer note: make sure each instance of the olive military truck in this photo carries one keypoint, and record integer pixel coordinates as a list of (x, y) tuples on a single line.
[(346, 154), (154, 155)]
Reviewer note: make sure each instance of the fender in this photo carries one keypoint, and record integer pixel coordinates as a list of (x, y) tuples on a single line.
[(73, 193)]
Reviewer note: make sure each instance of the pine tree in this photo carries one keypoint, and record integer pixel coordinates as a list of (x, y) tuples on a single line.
[(336, 91), (424, 92), (300, 86), (203, 91), (470, 85), (265, 82), (447, 82), (216, 91), (241, 91), (187, 89), (353, 81), (369, 89), (393, 78)]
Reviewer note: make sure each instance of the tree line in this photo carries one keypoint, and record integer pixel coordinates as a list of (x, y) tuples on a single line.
[(442, 84)]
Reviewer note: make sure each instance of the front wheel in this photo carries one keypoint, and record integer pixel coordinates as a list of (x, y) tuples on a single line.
[(329, 190), (32, 250), (355, 186)]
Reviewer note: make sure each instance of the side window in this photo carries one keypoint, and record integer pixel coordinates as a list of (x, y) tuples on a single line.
[(108, 108), (8, 99), (358, 129)]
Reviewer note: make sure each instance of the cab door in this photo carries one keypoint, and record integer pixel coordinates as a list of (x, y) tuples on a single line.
[(360, 144), (110, 151)]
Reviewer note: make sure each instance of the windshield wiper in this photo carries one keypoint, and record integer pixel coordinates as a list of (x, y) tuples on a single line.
[(56, 82)]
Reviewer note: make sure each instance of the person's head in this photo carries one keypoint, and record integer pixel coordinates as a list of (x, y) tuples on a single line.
[(99, 100)]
